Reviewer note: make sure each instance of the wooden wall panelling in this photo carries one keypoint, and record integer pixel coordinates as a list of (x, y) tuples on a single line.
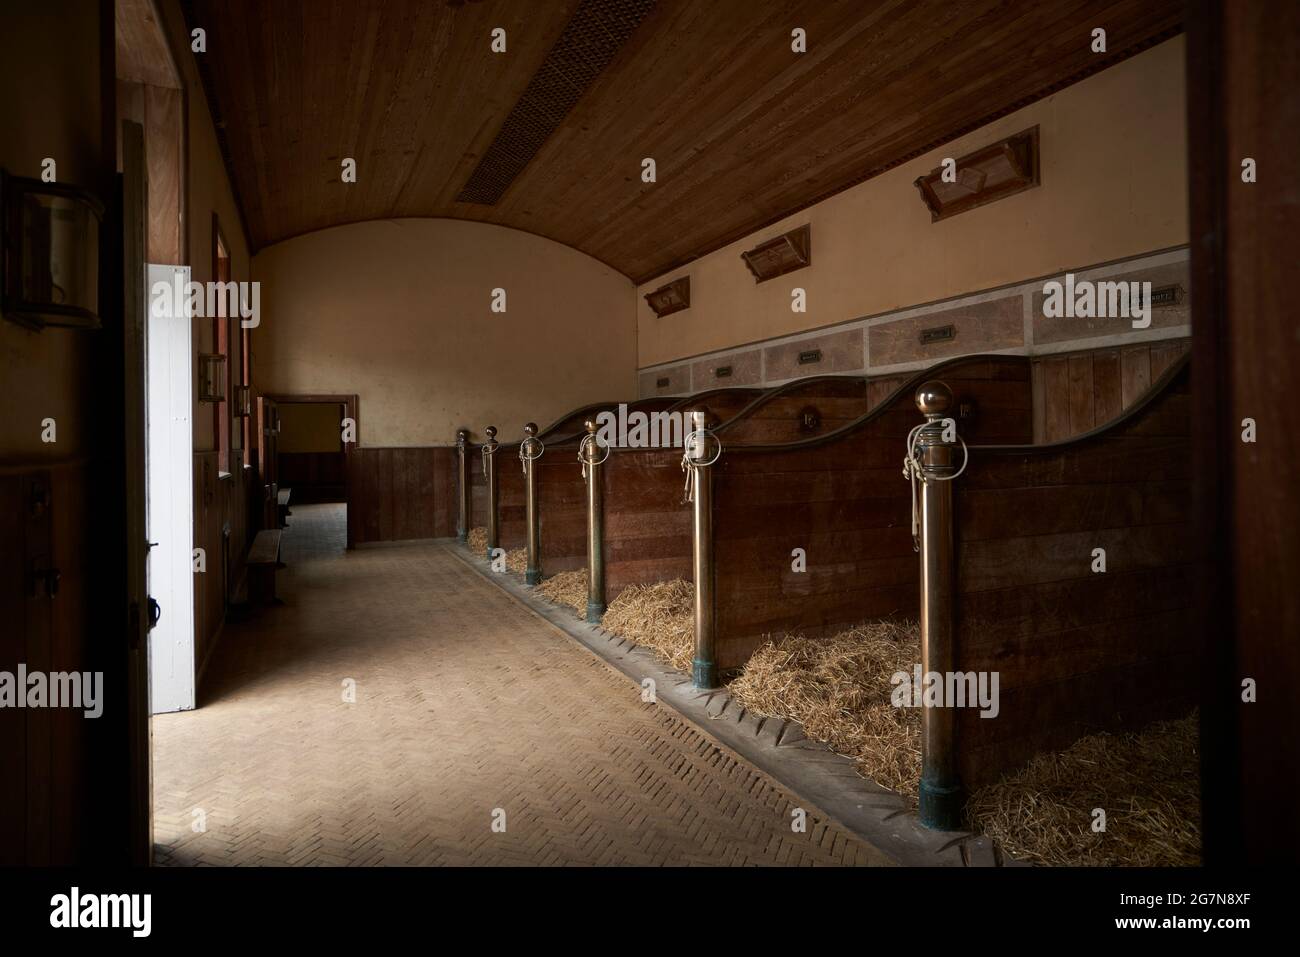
[(1077, 651), (477, 486), (314, 476), (1135, 374), (647, 527), (1078, 392), (160, 110), (43, 515), (511, 505), (164, 137), (561, 509), (398, 494), (1081, 395), (1107, 402), (844, 501)]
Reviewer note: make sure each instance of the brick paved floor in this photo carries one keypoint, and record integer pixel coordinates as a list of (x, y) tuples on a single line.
[(466, 703)]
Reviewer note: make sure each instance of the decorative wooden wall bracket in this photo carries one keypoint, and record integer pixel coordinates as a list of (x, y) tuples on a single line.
[(671, 298), (785, 253), (994, 172)]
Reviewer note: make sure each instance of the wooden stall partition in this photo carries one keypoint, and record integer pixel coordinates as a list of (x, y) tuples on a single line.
[(806, 407), (477, 485), (1077, 650), (842, 500), (510, 474), (561, 493), (561, 440), (647, 523)]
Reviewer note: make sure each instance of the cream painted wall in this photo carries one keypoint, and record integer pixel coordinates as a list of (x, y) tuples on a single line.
[(1114, 184), (309, 427), (50, 71), (398, 311)]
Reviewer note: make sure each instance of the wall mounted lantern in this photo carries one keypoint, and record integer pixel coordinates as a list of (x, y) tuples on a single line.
[(212, 378), (50, 238)]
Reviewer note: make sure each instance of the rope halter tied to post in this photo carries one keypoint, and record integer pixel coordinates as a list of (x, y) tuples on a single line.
[(692, 460), (488, 447), (587, 449), (531, 448), (912, 468)]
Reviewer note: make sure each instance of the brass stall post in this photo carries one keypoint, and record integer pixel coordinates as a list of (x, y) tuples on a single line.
[(462, 485), (490, 473), (931, 461), (697, 461), (530, 450), (593, 471)]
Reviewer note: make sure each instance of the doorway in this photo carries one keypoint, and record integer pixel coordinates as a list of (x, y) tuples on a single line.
[(306, 445)]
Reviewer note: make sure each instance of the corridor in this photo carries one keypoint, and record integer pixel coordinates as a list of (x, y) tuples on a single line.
[(469, 712)]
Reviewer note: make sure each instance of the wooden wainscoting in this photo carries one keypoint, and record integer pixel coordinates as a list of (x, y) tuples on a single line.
[(1081, 391), (313, 476), (221, 502), (396, 494)]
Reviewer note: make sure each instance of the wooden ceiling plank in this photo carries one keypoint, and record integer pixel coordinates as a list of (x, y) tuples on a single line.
[(744, 131)]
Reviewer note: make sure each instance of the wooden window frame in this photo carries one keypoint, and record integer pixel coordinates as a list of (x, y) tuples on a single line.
[(221, 418)]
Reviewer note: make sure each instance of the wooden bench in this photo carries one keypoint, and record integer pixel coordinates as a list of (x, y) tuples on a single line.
[(282, 506), (263, 560)]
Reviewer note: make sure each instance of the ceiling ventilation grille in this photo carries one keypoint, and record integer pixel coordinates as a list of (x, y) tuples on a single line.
[(593, 36)]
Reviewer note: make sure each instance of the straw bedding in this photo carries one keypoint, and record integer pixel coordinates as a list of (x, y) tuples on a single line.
[(478, 540), (660, 617), (517, 560), (1147, 783), (565, 588), (839, 689)]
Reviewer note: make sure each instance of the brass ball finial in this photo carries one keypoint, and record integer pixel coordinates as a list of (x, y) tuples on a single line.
[(491, 431), (462, 434), (933, 398), (530, 429), (591, 425)]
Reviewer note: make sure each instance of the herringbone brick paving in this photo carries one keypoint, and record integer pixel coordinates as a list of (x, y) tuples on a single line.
[(466, 703)]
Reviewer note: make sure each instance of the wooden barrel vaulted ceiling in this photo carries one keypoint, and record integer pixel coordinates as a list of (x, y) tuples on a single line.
[(549, 136)]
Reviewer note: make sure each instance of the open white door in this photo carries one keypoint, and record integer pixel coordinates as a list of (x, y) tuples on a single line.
[(170, 492)]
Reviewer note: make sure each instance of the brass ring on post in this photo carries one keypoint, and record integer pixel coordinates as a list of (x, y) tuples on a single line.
[(931, 458), (586, 456), (531, 448), (695, 460)]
